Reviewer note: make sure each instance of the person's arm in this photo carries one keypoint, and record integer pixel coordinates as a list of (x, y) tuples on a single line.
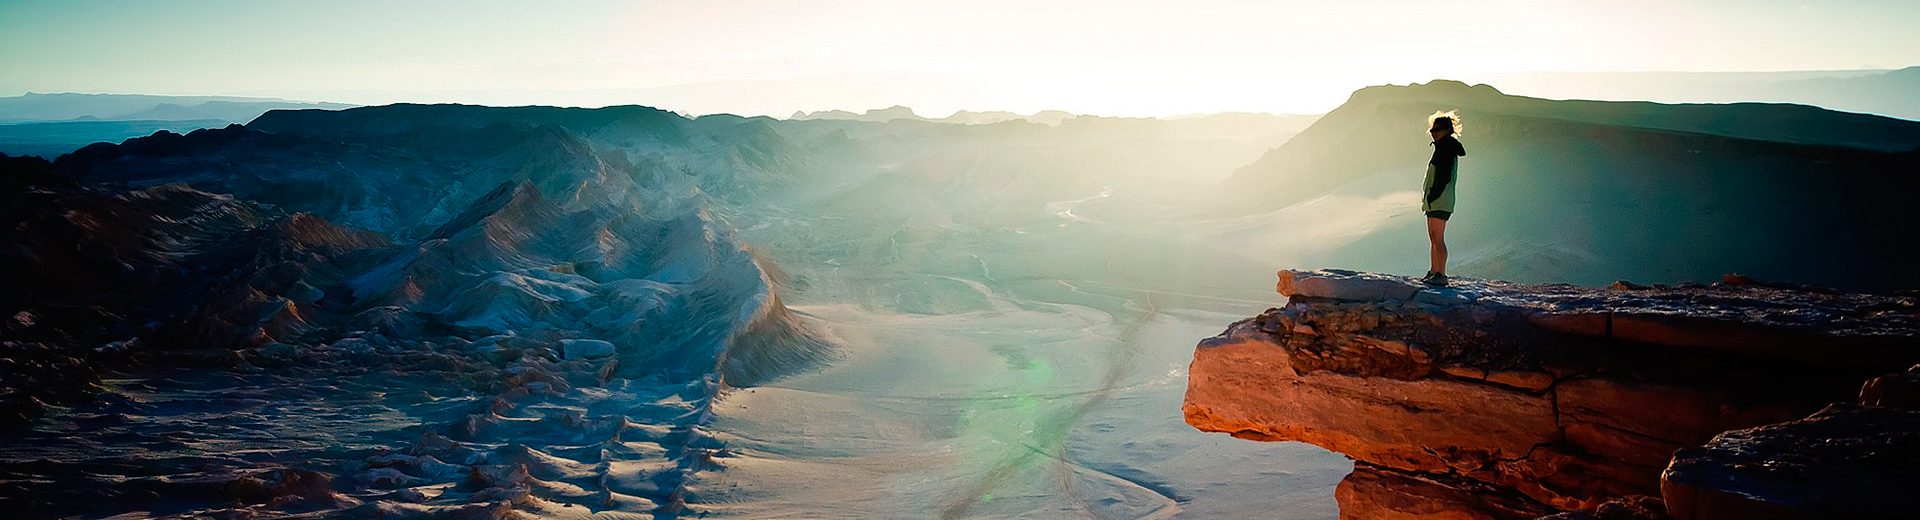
[(1442, 174)]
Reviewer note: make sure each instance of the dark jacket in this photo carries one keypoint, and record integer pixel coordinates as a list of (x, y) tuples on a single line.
[(1447, 152)]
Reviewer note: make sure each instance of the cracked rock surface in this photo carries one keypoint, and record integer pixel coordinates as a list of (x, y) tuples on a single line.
[(1526, 400)]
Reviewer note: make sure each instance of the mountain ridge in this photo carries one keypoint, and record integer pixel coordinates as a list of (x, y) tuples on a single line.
[(1660, 192), (1739, 119), (71, 106), (1867, 91)]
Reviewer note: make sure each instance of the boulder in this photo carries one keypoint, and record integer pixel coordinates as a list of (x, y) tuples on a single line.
[(585, 348), (1847, 461)]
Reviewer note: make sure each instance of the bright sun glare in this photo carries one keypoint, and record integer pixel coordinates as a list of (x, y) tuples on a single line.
[(751, 57)]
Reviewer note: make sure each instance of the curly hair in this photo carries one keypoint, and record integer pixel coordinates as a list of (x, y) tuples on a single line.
[(1448, 120)]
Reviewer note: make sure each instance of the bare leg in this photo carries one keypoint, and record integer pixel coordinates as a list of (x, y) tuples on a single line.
[(1437, 239)]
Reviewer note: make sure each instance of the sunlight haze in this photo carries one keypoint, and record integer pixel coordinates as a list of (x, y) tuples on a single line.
[(775, 57), (982, 259)]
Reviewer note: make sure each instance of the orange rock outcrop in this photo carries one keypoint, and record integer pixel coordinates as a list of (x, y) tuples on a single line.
[(1498, 400)]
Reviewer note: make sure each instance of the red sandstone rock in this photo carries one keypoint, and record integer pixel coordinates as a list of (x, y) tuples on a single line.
[(1373, 493), (1638, 507), (1565, 397)]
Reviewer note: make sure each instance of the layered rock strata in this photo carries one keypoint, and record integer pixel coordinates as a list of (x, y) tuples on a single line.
[(1498, 400)]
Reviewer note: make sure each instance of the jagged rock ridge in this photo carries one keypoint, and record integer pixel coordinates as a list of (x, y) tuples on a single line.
[(580, 290)]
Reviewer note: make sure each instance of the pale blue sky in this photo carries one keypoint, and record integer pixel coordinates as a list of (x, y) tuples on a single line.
[(773, 56)]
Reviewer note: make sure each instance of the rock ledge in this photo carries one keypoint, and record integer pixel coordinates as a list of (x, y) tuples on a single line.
[(1523, 400)]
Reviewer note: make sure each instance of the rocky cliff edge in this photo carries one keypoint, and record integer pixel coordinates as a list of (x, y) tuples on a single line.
[(1497, 400)]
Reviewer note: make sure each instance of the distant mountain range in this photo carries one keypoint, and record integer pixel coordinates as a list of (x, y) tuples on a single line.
[(1249, 120), (38, 107), (1583, 191), (1883, 92), (897, 112), (53, 138), (48, 125)]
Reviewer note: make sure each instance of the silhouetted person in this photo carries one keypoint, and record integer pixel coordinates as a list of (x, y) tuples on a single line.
[(1437, 194)]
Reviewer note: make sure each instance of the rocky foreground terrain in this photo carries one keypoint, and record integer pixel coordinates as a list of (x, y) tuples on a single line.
[(444, 310), (467, 315), (1736, 399)]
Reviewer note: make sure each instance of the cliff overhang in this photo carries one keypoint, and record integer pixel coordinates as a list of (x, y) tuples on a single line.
[(1516, 401)]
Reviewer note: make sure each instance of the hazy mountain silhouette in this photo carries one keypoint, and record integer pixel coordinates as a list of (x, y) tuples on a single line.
[(35, 106), (48, 125), (877, 115), (53, 138), (1584, 190), (967, 117), (1884, 92), (1252, 121)]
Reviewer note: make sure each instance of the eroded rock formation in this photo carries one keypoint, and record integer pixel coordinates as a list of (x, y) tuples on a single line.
[(1497, 400), (555, 313)]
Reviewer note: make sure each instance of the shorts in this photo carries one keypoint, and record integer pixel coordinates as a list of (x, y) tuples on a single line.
[(1442, 215)]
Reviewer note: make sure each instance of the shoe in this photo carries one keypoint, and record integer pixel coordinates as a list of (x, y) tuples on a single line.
[(1435, 279)]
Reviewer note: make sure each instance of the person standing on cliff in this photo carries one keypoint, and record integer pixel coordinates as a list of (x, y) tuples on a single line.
[(1436, 199)]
